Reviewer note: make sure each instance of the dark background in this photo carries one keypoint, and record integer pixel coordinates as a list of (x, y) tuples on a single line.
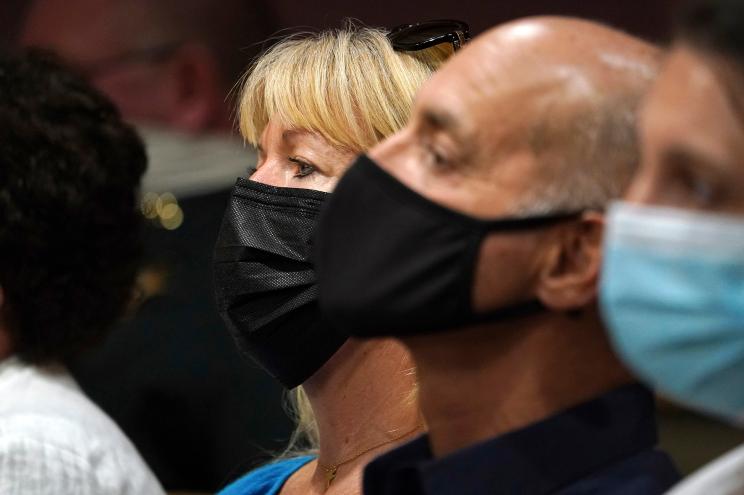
[(691, 439), (645, 18)]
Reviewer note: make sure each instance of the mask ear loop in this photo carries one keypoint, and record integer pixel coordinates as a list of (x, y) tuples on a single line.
[(516, 310), (471, 255)]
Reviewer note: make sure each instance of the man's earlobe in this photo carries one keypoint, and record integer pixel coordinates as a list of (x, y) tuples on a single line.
[(569, 278)]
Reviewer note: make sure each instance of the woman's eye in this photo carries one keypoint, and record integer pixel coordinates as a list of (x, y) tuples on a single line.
[(303, 168)]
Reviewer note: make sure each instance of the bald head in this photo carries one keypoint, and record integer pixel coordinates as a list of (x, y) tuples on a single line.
[(566, 42), (564, 90)]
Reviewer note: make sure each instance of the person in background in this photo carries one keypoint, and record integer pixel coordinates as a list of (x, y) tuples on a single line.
[(168, 62), (674, 264), (310, 104), (70, 248), (198, 413), (474, 236)]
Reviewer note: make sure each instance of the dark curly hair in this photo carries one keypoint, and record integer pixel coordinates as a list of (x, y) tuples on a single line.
[(70, 235), (716, 25)]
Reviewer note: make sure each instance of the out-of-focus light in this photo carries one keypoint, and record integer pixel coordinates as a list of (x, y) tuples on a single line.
[(147, 205), (162, 209), (169, 211), (173, 219)]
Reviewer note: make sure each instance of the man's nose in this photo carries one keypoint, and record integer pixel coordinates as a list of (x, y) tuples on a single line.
[(388, 152), (643, 188)]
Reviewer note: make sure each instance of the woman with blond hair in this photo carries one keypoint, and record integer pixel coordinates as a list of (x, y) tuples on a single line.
[(310, 104)]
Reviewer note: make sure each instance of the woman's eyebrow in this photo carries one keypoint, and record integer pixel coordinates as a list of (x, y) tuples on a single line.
[(290, 134)]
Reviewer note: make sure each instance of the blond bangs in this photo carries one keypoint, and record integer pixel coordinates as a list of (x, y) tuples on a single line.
[(347, 85)]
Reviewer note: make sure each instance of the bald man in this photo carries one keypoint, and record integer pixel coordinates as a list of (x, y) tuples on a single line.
[(482, 255)]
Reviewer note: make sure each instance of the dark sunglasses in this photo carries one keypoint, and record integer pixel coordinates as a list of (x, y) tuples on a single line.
[(414, 37)]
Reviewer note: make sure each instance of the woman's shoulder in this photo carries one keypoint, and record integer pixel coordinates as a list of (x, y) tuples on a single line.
[(268, 479)]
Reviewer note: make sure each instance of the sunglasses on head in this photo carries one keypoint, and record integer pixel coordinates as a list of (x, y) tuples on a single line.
[(422, 35)]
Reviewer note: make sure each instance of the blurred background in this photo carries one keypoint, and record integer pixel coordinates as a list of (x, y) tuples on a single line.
[(170, 375)]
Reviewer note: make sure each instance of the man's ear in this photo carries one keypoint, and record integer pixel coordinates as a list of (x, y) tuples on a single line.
[(198, 99), (569, 277)]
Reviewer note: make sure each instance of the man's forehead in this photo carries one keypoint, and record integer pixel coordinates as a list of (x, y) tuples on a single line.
[(454, 91), (79, 30), (689, 93), (474, 96)]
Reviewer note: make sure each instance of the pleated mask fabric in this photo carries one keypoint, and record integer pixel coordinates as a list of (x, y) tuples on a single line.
[(265, 283)]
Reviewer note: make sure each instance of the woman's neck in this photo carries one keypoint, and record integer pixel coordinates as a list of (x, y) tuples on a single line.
[(364, 403)]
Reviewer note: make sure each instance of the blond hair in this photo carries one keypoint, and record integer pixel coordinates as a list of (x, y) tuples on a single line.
[(349, 86), (305, 438)]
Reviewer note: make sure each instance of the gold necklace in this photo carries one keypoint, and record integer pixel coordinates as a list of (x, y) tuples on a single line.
[(332, 469)]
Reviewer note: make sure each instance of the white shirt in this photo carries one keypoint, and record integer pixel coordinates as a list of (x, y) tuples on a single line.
[(723, 476), (193, 164), (55, 441)]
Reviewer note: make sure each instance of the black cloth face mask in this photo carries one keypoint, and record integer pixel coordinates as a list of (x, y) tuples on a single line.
[(265, 282), (390, 262)]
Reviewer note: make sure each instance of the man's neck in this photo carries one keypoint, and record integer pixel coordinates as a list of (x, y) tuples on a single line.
[(482, 382), (363, 398)]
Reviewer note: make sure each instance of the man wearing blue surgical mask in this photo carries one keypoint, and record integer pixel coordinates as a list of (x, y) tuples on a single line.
[(673, 282)]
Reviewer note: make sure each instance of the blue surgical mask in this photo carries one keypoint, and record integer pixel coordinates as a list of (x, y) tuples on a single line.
[(672, 294)]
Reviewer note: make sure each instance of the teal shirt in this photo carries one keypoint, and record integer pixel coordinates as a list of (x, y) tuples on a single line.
[(268, 479)]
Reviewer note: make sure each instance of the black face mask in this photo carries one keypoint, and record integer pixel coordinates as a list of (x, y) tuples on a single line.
[(392, 263), (265, 283)]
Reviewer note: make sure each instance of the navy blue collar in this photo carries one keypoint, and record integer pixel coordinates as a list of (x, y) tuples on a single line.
[(540, 458)]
